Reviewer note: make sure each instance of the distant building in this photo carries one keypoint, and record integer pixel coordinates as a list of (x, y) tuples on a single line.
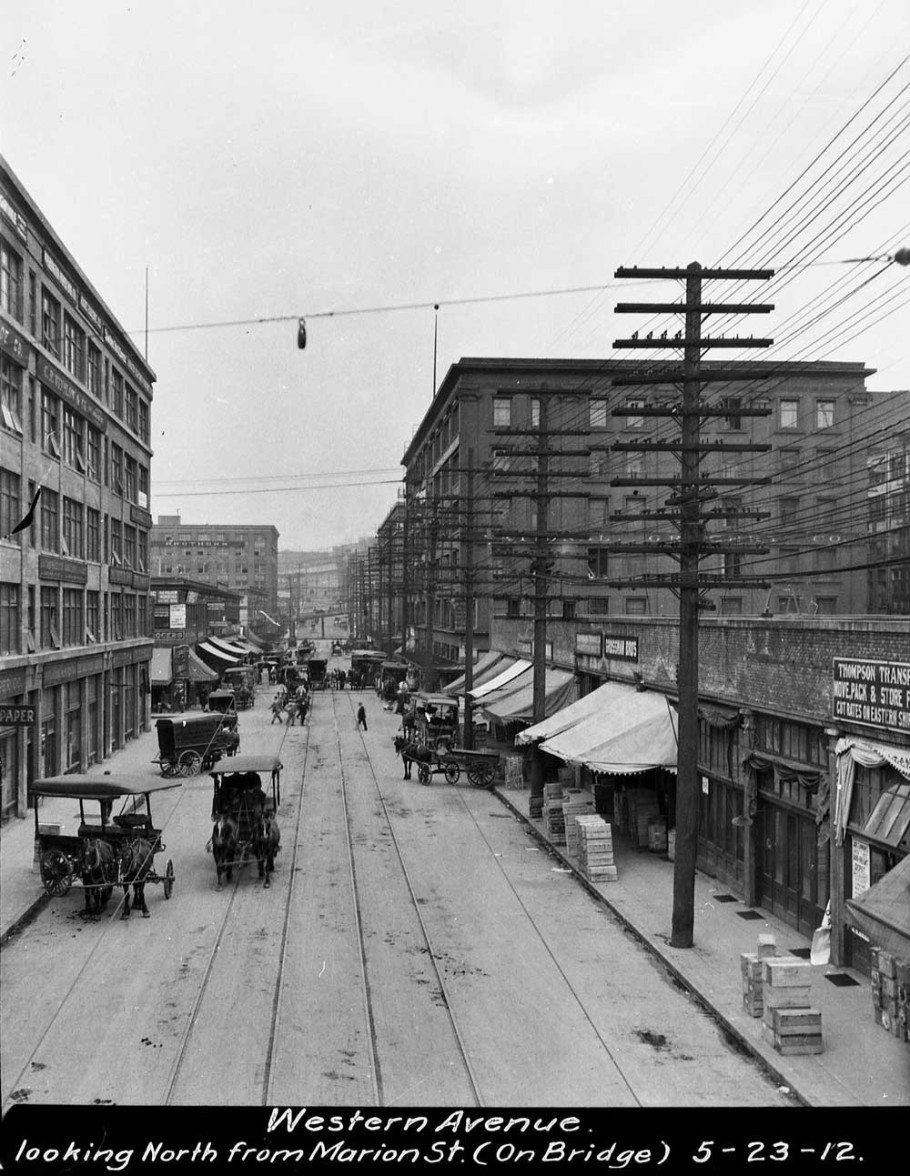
[(75, 413), (242, 558)]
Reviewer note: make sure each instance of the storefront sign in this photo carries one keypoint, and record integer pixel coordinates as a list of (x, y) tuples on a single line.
[(141, 517), (12, 683), (73, 395), (526, 648), (120, 576), (590, 644), (18, 716), (620, 648), (167, 636), (873, 693), (56, 567), (861, 878), (16, 218), (166, 596), (178, 616), (14, 344)]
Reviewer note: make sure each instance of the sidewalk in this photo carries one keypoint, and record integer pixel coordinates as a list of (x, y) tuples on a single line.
[(863, 1065)]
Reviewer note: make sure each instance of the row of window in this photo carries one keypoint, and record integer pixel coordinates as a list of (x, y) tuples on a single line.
[(65, 339), (63, 616), (790, 412)]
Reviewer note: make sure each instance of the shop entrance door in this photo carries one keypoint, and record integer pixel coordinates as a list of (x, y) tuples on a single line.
[(789, 881)]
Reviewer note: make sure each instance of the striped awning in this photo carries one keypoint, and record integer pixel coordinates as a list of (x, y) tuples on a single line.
[(212, 654)]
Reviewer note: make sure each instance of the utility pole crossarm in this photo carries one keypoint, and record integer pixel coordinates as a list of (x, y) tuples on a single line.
[(704, 274), (678, 341), (704, 308)]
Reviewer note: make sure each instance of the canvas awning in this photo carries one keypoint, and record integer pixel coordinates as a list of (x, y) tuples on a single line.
[(515, 702), (197, 670), (565, 718), (211, 653), (161, 672), (224, 646), (629, 731), (250, 636), (501, 678), (484, 669), (883, 911)]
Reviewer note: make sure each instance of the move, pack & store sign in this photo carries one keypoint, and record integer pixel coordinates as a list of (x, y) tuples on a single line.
[(874, 693)]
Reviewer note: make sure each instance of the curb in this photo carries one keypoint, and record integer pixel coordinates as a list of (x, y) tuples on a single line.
[(23, 920), (728, 1027)]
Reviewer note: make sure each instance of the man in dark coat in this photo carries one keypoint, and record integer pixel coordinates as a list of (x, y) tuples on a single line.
[(362, 716)]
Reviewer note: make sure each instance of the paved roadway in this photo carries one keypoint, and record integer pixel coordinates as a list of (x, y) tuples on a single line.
[(416, 947)]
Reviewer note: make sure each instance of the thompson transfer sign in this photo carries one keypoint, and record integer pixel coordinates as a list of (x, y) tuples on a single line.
[(874, 693)]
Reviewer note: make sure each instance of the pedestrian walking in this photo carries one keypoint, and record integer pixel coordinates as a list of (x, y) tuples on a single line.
[(302, 708), (362, 716), (276, 709)]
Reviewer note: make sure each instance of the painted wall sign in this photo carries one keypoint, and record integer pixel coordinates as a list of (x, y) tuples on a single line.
[(861, 874), (873, 693), (590, 644), (18, 716)]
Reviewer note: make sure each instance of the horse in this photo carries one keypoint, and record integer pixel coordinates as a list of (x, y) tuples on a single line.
[(224, 847), (97, 866), (266, 843), (136, 859), (411, 752)]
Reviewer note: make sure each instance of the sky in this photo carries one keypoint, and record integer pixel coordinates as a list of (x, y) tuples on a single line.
[(357, 163)]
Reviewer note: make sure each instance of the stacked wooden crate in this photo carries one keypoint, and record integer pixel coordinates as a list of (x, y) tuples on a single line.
[(595, 844), (891, 993), (553, 815), (576, 803), (751, 964), (657, 834), (514, 772), (642, 807), (788, 1020)]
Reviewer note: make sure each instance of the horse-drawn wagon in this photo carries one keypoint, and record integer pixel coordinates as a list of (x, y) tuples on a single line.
[(189, 743), (244, 814), (105, 851)]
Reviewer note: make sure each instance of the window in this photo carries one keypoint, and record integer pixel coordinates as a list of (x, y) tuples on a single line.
[(92, 535), (513, 606), (130, 467), (10, 504), (734, 505), (568, 610), (826, 605), (732, 418), (132, 408), (116, 393), (116, 543), (50, 323), (789, 414), (634, 422), (789, 460), (129, 546), (93, 616), (598, 606), (144, 420), (73, 348), (50, 423), (94, 371), (9, 618), (73, 439), (598, 511), (597, 413), (93, 453), (731, 606), (116, 469), (143, 498), (72, 529), (50, 633), (73, 627), (732, 563), (635, 465), (535, 412), (116, 616), (50, 520), (142, 550), (598, 461), (636, 606), (825, 460), (129, 614), (502, 412), (10, 282), (789, 511), (10, 395), (598, 562), (824, 414)]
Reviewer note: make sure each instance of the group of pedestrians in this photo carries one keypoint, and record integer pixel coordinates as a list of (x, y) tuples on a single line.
[(294, 704)]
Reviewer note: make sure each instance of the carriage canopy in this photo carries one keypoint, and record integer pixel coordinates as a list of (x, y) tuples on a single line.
[(97, 788)]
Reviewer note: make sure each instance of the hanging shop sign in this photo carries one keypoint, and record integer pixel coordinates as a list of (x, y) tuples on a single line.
[(18, 716), (15, 345), (620, 648), (873, 693)]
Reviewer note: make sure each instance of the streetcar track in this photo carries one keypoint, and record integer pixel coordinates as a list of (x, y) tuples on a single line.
[(416, 903)]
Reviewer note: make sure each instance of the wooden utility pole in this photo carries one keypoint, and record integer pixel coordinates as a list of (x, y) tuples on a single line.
[(691, 489)]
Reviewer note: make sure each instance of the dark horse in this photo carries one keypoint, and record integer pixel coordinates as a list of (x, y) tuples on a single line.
[(136, 858), (224, 847), (98, 873), (411, 753), (266, 843)]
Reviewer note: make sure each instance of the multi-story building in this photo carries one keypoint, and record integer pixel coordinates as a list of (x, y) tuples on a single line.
[(540, 435), (242, 558), (186, 613), (889, 522), (75, 411)]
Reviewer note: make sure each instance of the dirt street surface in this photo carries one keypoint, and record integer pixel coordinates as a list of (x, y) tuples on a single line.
[(416, 947)]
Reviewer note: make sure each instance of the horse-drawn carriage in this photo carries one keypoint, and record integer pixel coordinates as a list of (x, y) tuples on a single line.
[(104, 852), (242, 681), (316, 672), (437, 720), (189, 743), (244, 814)]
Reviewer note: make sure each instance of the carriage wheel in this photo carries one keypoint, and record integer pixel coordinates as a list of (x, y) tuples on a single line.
[(56, 872), (190, 763), (453, 771), (481, 775), (168, 879), (423, 774), (167, 768)]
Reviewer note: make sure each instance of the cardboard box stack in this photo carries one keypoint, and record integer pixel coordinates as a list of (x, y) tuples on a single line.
[(553, 814), (891, 993), (788, 1020), (751, 964), (595, 844), (576, 803)]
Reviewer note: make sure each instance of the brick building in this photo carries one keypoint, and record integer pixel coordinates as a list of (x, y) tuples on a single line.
[(75, 410)]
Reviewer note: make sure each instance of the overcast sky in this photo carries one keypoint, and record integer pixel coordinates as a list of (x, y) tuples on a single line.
[(289, 158)]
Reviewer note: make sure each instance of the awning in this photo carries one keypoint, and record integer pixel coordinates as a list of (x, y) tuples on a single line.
[(500, 679), (197, 670), (515, 702), (250, 636), (221, 645), (630, 731), (212, 654), (567, 717), (883, 911), (162, 672), (890, 818), (484, 669)]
